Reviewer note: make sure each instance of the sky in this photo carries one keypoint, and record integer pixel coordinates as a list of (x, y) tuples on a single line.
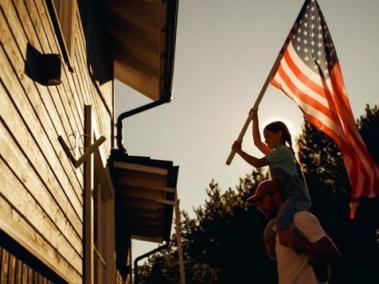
[(224, 51)]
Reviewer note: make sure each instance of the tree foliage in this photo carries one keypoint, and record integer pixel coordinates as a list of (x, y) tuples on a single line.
[(223, 243)]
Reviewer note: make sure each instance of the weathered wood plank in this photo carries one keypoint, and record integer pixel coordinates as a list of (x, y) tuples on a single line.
[(16, 26), (19, 97), (102, 114), (54, 206), (24, 273), (47, 97), (69, 100), (37, 36), (4, 266), (100, 117), (12, 268), (50, 33), (50, 39), (1, 255), (30, 275), (21, 231), (101, 106), (38, 177), (18, 274), (42, 224), (64, 97), (107, 92)]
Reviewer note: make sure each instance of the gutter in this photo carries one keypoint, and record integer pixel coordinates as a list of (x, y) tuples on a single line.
[(170, 30), (136, 279)]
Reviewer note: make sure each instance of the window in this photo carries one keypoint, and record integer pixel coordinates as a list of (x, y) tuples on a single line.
[(66, 12), (63, 14)]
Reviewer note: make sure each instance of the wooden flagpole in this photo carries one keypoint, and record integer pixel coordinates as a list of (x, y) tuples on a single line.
[(179, 242), (265, 85), (257, 101)]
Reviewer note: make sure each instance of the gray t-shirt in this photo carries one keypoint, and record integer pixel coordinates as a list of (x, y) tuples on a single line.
[(282, 158)]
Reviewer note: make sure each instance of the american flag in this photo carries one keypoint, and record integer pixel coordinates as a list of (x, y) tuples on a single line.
[(309, 73)]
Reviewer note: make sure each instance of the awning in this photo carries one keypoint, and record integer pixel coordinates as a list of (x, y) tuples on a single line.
[(142, 34), (145, 195)]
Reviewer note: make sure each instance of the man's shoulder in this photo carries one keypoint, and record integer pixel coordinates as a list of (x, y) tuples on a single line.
[(304, 215), (309, 225)]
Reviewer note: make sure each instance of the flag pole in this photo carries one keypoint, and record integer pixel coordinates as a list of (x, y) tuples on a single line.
[(269, 77), (263, 90)]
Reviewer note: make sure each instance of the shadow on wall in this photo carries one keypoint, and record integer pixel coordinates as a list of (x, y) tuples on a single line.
[(43, 68), (95, 26)]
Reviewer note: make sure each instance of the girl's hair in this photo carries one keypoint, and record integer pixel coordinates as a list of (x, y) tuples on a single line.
[(286, 136), (278, 125)]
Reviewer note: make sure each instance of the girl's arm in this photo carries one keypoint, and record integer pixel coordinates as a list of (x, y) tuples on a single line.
[(256, 134), (255, 162)]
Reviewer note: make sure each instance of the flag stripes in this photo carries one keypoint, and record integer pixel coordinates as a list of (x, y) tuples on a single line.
[(325, 104)]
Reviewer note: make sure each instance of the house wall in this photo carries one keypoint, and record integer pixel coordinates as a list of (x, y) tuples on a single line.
[(41, 202)]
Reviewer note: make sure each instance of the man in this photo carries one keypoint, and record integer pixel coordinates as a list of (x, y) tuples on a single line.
[(306, 251)]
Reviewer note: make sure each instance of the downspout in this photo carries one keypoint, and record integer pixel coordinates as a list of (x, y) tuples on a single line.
[(170, 30), (162, 247), (121, 117)]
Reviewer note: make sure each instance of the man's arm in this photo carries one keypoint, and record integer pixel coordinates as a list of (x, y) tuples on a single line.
[(323, 250), (269, 236), (315, 242)]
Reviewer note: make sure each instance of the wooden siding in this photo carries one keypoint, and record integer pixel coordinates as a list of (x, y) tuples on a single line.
[(19, 266), (41, 193), (13, 270)]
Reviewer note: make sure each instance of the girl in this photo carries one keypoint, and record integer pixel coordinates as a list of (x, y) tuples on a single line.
[(286, 176)]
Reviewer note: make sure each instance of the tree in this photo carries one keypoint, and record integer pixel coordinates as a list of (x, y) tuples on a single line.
[(223, 244), (330, 191)]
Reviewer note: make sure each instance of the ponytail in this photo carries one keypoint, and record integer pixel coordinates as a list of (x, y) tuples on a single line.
[(286, 136)]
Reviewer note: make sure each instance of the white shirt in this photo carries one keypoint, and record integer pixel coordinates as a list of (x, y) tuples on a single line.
[(294, 268)]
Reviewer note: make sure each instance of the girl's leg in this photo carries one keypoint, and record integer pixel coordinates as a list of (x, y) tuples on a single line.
[(285, 216)]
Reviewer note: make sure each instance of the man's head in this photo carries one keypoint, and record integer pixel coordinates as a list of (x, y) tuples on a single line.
[(267, 198)]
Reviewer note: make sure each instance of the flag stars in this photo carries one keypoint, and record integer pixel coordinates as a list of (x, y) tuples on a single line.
[(312, 41)]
